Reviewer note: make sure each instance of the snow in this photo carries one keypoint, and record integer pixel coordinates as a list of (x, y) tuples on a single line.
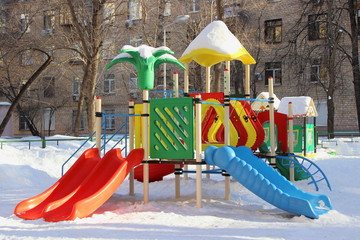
[(215, 36), (5, 104), (215, 44), (144, 50), (302, 106), (27, 172)]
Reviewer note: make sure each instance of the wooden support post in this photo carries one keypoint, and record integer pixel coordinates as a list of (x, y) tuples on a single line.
[(272, 122), (208, 80), (207, 90), (98, 121), (131, 144), (247, 80), (291, 139), (176, 84), (227, 123), (186, 92), (145, 138), (198, 150), (186, 79), (177, 166)]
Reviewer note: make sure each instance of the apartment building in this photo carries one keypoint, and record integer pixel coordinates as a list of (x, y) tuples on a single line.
[(267, 28)]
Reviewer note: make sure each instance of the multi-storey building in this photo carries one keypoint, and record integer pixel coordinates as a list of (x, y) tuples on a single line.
[(267, 28)]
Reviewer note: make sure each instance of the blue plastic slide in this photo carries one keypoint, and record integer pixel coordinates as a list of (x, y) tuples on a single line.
[(265, 182)]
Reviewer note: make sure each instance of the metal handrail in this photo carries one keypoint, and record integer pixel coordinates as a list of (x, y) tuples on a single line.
[(297, 164), (63, 165)]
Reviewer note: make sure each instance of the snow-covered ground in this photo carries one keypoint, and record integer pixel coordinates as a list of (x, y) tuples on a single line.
[(27, 172)]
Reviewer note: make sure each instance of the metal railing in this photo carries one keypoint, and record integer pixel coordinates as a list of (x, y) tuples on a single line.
[(105, 139), (3, 142)]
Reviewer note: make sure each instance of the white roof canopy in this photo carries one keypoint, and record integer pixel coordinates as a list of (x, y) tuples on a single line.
[(302, 106)]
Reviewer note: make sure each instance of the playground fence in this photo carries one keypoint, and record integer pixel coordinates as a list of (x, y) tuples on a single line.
[(42, 141)]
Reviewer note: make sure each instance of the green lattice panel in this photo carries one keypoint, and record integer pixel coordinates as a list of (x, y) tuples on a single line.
[(172, 128)]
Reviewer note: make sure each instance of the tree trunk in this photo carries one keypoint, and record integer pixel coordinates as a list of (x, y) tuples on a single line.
[(331, 117), (198, 78), (216, 87), (218, 67), (30, 123), (80, 106), (237, 76), (94, 66), (355, 56)]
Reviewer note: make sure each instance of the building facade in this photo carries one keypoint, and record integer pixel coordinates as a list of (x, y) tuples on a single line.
[(288, 39)]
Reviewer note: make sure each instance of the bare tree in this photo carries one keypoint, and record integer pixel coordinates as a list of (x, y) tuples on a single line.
[(16, 97), (354, 55), (91, 25), (327, 24), (19, 55)]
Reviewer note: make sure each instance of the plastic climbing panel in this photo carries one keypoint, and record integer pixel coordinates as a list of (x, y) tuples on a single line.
[(172, 128)]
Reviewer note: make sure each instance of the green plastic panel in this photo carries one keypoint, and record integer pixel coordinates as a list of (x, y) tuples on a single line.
[(172, 128), (298, 136), (310, 137)]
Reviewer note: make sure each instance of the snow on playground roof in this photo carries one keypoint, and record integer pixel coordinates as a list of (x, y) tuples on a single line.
[(145, 52), (262, 106), (215, 44), (302, 106)]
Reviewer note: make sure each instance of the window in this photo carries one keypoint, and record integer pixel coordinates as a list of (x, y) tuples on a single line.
[(49, 119), (194, 6), (273, 69), (109, 83), (65, 18), (22, 86), (22, 123), (49, 87), (318, 71), (76, 85), (135, 9), (3, 20), (317, 2), (108, 49), (82, 120), (133, 82), (51, 53), (136, 41), (317, 27), (109, 13), (25, 58), (49, 21), (76, 56), (358, 20), (167, 9), (24, 22), (231, 8), (273, 29), (110, 121)]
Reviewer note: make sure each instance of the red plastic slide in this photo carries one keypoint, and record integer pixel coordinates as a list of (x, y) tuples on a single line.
[(156, 172), (62, 190), (97, 188)]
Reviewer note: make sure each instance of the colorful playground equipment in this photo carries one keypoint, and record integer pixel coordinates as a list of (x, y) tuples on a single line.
[(168, 134)]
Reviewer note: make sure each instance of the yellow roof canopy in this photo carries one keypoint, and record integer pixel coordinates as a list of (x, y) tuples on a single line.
[(216, 44)]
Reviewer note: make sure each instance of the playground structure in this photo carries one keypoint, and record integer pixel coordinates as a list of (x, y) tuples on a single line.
[(166, 135)]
